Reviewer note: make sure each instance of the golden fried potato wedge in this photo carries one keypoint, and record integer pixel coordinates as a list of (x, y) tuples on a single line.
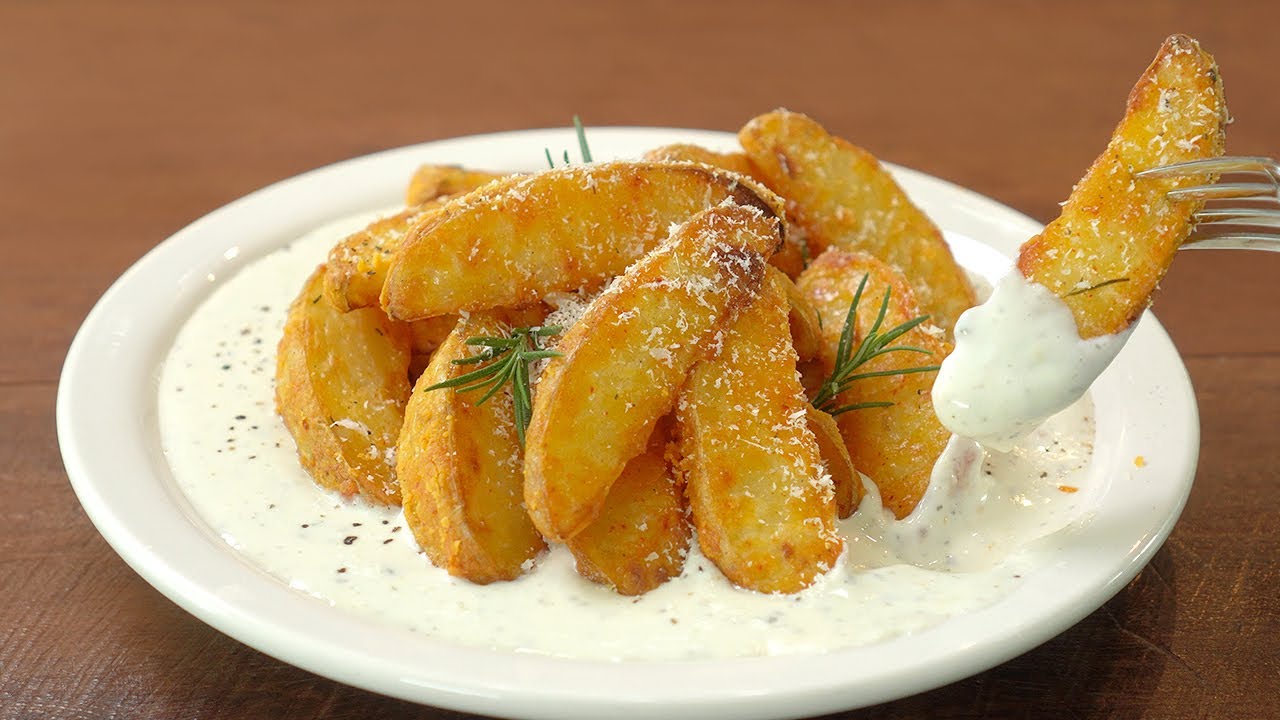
[(762, 504), (895, 446), (685, 152), (806, 326), (641, 536), (434, 181), (842, 197), (1117, 235), (845, 479), (518, 239), (357, 266), (341, 388), (427, 335), (459, 466), (625, 360), (792, 256)]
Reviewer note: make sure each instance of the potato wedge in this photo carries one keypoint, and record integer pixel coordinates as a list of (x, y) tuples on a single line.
[(843, 198), (684, 152), (895, 446), (642, 534), (806, 326), (763, 506), (434, 181), (341, 388), (793, 255), (357, 266), (1117, 235), (427, 335), (518, 239), (845, 480), (459, 466), (625, 360)]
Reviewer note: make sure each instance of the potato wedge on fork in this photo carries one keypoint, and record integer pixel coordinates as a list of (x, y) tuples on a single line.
[(1117, 234)]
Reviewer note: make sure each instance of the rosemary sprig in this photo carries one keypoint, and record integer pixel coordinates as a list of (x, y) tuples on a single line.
[(1102, 284), (504, 360), (582, 145), (873, 345)]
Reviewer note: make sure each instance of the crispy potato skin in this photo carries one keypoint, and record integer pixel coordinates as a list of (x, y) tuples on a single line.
[(1115, 226), (806, 328), (835, 458), (357, 266), (625, 360), (518, 239), (341, 388), (429, 334), (642, 534), (895, 446), (791, 257), (434, 181), (842, 197), (459, 466), (684, 152), (762, 504)]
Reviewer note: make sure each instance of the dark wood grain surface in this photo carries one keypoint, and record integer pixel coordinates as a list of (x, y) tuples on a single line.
[(122, 122)]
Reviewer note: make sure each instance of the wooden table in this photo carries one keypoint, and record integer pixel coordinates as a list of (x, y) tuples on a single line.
[(120, 123)]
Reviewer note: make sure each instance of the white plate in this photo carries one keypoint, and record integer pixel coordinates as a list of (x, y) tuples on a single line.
[(110, 444)]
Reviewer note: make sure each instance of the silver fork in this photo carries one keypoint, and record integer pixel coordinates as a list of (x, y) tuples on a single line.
[(1243, 214)]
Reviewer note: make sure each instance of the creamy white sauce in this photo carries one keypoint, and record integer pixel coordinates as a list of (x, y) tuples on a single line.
[(1018, 359), (964, 548)]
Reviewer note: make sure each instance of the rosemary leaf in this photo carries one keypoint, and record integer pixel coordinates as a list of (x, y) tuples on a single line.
[(503, 361), (874, 344), (582, 140), (1102, 284)]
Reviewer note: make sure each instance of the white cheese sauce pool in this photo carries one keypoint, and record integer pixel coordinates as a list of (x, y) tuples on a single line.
[(966, 547), (1018, 359)]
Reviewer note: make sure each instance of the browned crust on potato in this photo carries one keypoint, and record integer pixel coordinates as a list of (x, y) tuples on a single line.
[(895, 446), (641, 537), (845, 479), (561, 230), (760, 500), (433, 181), (459, 466), (624, 362), (1115, 226), (842, 197), (806, 327), (357, 265), (686, 152), (791, 257), (341, 388)]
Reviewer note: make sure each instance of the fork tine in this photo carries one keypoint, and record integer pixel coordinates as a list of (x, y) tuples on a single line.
[(1214, 165), (1253, 224), (1234, 241), (1223, 190), (1239, 216)]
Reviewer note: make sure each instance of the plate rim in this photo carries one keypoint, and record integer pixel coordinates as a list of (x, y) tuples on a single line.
[(230, 608)]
